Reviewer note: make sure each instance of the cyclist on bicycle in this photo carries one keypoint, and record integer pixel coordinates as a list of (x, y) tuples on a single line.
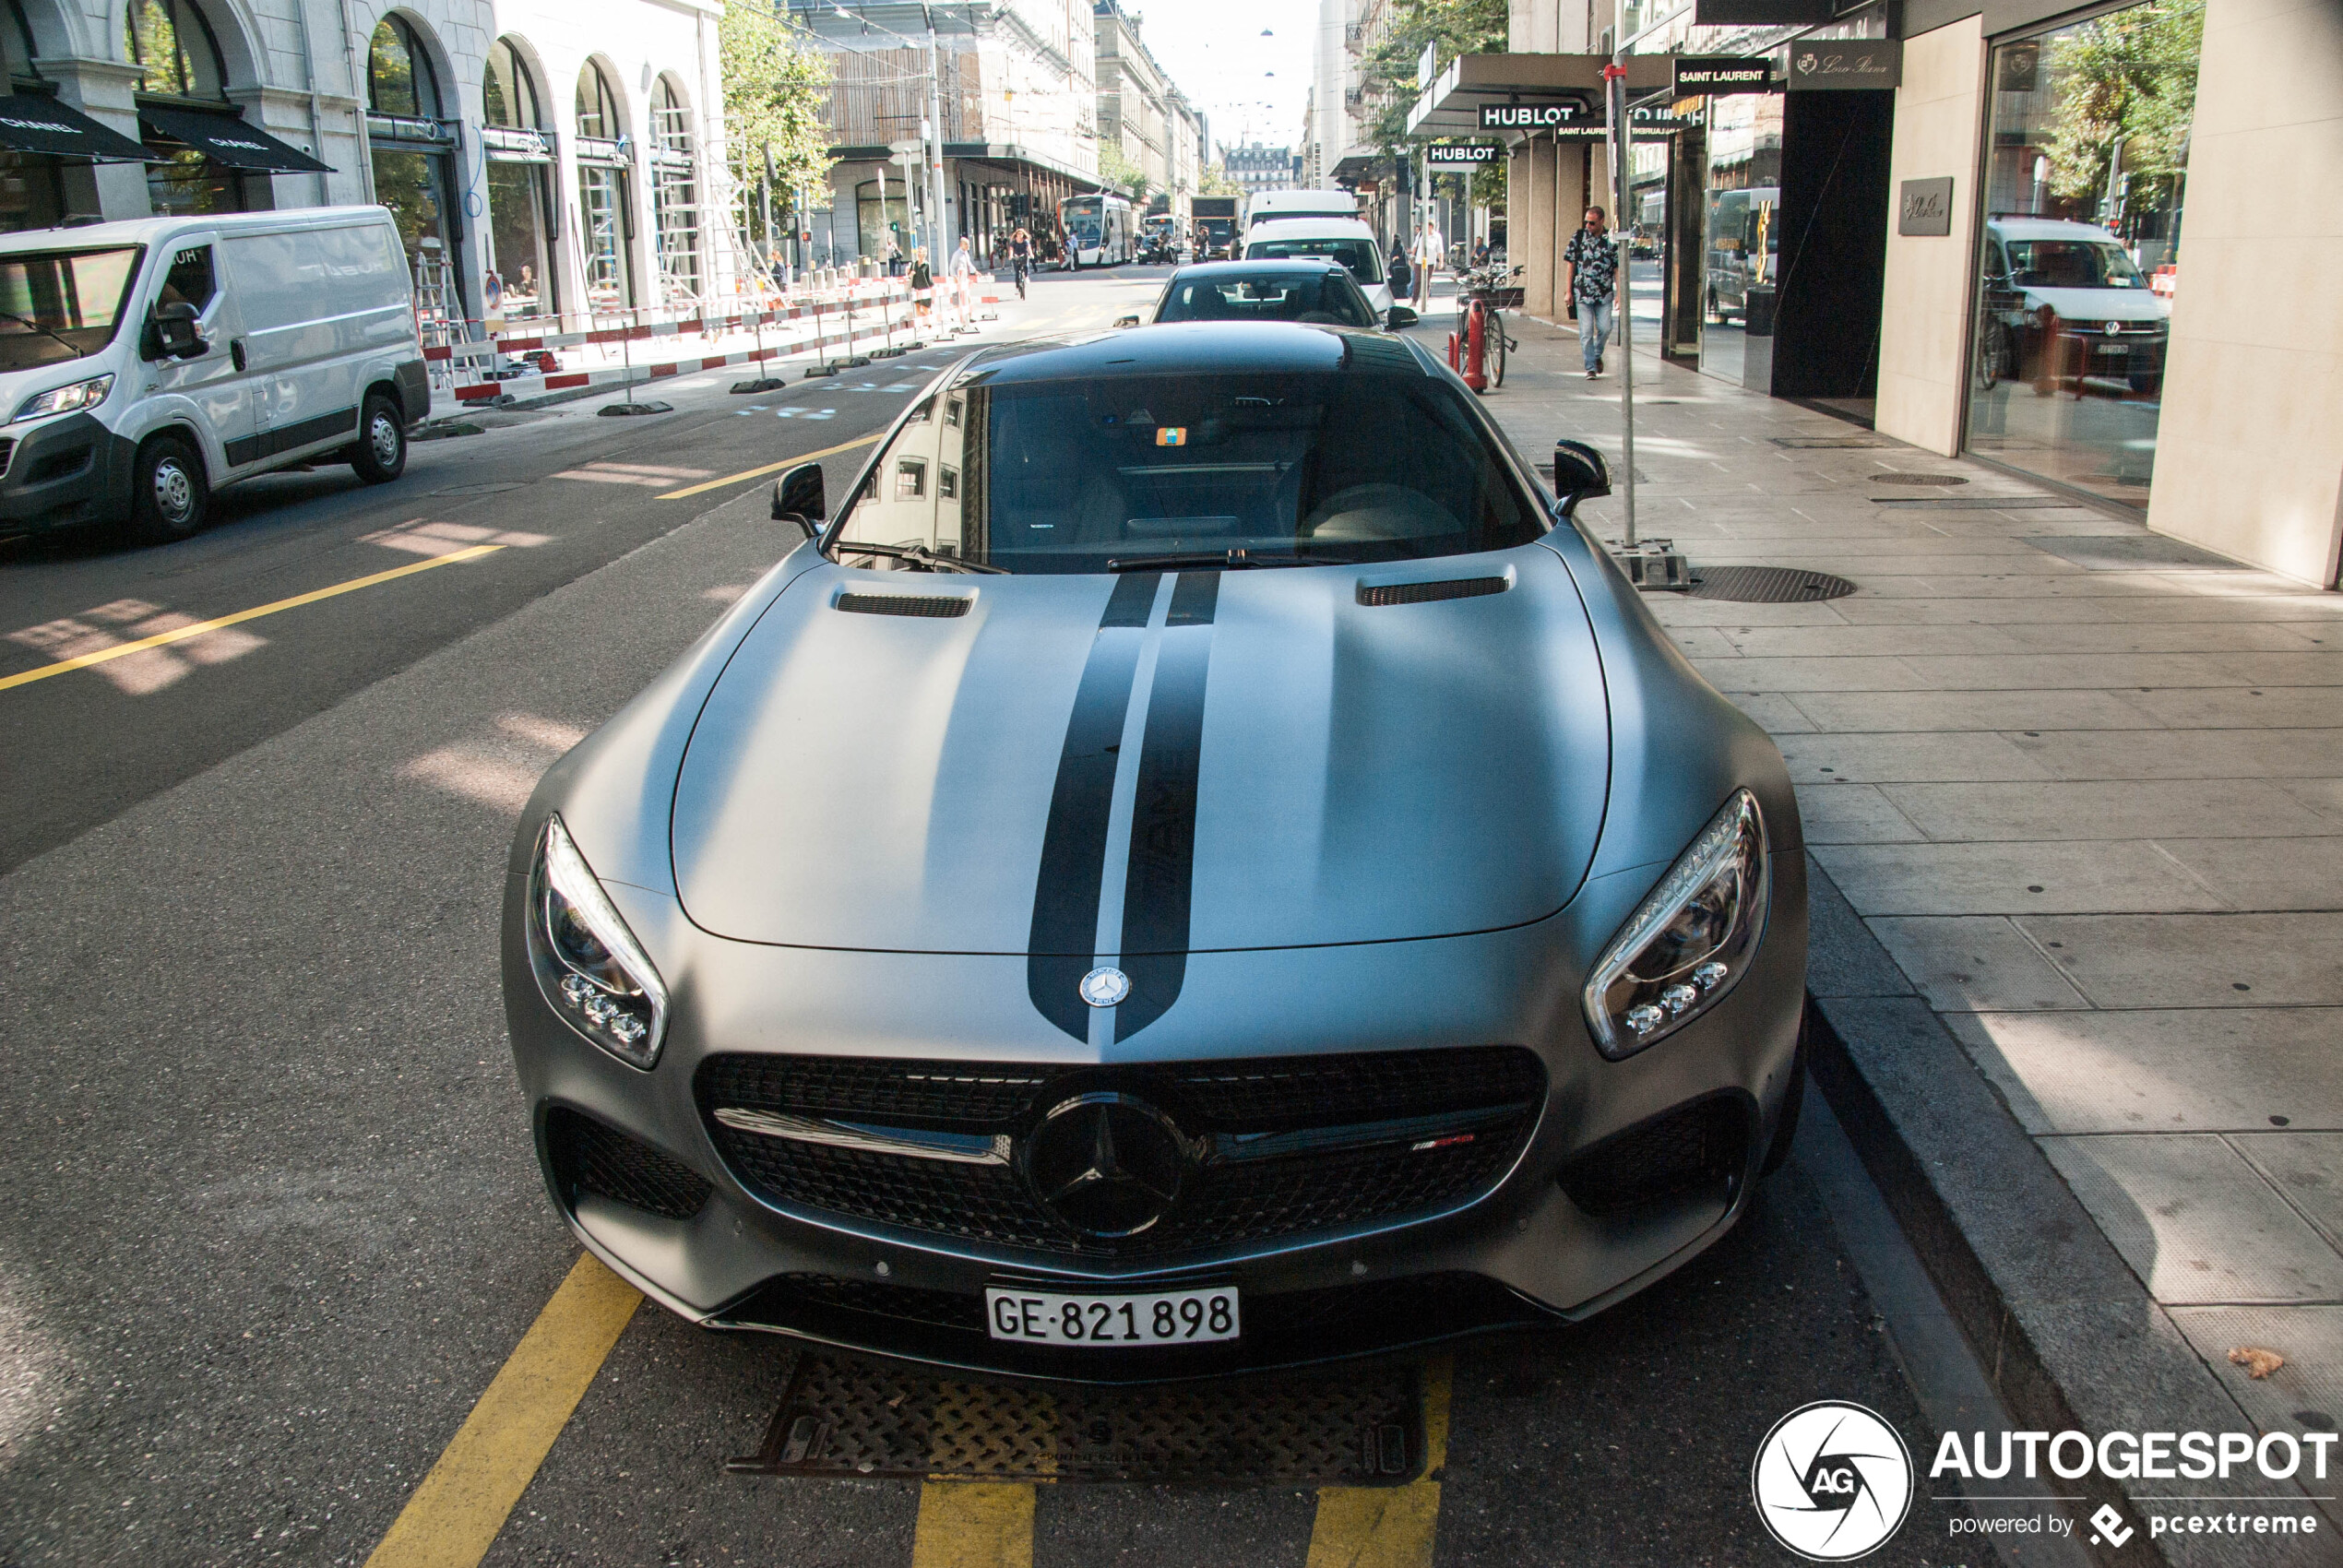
[(1021, 257)]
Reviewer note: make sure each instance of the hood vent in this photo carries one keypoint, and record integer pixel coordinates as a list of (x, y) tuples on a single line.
[(936, 606), (1425, 593)]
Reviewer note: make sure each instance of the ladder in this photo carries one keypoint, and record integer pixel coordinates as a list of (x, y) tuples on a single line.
[(675, 207), (439, 318)]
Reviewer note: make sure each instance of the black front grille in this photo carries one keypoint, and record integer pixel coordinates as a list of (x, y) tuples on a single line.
[(940, 606), (1220, 1204), (1426, 593), (8, 451), (1699, 1148), (591, 1157)]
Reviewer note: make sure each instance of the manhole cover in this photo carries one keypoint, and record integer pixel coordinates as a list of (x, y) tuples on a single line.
[(1767, 585), (477, 489), (844, 1416), (1828, 442), (1918, 479), (1971, 502)]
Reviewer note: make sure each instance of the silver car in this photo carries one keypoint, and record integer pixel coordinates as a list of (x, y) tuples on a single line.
[(1198, 863)]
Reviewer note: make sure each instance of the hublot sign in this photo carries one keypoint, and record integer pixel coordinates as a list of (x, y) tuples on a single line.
[(1531, 116)]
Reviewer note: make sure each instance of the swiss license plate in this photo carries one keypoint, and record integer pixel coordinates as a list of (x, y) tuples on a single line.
[(1171, 1317)]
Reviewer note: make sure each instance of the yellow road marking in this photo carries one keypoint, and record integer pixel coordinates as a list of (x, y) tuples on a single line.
[(771, 468), (974, 1525), (453, 1518), (1361, 1527), (82, 662)]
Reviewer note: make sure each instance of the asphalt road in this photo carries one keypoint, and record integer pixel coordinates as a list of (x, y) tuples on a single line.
[(270, 1224)]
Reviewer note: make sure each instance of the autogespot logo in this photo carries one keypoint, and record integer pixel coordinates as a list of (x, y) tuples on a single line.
[(1832, 1481)]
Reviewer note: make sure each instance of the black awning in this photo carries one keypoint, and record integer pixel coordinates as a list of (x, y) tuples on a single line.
[(225, 138), (30, 122)]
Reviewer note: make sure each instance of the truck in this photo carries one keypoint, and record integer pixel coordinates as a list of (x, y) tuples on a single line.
[(1216, 226)]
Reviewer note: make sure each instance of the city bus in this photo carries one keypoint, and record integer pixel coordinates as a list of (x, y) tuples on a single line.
[(1101, 230)]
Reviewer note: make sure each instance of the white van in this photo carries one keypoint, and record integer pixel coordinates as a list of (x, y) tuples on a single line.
[(145, 365), (1345, 240), (1268, 205)]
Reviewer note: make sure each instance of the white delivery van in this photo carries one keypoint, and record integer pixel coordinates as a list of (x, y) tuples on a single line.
[(1269, 205), (1345, 240), (145, 365)]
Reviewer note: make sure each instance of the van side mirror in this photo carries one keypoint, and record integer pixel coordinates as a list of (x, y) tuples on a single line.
[(175, 333), (798, 498), (1579, 472), (1396, 318)]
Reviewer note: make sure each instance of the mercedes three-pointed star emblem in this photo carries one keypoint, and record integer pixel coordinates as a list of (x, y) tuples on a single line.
[(1106, 1165)]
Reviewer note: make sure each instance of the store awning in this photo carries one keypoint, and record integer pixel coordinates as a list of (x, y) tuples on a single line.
[(29, 123), (1451, 105), (226, 138)]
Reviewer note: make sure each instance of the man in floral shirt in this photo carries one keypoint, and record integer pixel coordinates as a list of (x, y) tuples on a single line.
[(1593, 259)]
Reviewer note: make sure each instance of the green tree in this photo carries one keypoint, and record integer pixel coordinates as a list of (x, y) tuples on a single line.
[(2128, 76), (1215, 181), (1452, 27), (1117, 168), (777, 95)]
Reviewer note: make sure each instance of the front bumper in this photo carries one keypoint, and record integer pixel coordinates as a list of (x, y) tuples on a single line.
[(1520, 1249), (63, 472)]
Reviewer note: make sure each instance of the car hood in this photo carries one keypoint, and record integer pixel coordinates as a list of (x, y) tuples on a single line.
[(2100, 304), (1265, 762)]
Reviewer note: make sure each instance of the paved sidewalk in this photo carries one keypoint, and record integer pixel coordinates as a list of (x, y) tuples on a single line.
[(2084, 785)]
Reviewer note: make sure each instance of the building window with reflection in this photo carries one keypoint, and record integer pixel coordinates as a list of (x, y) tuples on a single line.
[(523, 229), (604, 197), (675, 195), (173, 45), (413, 142)]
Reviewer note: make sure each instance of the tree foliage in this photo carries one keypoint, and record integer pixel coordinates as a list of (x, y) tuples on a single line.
[(776, 94), (2128, 75), (1453, 27), (1215, 181), (1116, 169)]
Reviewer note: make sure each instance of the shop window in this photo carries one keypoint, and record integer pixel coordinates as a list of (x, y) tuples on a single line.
[(399, 79), (597, 105), (2087, 171), (170, 40), (675, 194), (521, 208), (604, 193)]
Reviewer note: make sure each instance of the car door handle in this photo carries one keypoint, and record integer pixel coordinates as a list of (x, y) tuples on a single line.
[(236, 351)]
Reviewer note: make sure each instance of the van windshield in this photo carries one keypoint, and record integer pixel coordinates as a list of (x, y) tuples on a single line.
[(1359, 255), (58, 305)]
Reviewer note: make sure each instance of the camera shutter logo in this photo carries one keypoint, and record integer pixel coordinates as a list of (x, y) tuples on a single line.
[(1832, 1481)]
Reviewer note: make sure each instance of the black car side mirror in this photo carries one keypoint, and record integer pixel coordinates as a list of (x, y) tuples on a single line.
[(175, 333), (1126, 321), (1396, 318), (798, 498), (1579, 472)]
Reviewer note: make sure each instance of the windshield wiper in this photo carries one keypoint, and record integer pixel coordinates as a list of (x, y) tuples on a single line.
[(1228, 560), (918, 555), (23, 320)]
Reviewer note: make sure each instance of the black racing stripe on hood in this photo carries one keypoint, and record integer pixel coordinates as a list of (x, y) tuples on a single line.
[(1157, 892), (1066, 895)]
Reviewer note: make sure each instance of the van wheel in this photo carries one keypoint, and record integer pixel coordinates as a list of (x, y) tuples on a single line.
[(381, 453), (169, 496)]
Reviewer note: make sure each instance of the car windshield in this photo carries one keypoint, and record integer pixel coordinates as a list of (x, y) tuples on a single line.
[(2070, 264), (58, 305), (1327, 298), (1359, 255), (1121, 473)]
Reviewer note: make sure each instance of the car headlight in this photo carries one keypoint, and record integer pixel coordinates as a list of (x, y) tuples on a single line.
[(1690, 942), (589, 965), (65, 399)]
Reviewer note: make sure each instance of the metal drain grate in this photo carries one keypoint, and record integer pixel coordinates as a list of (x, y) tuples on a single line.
[(1829, 442), (843, 1416), (1767, 585), (1918, 479)]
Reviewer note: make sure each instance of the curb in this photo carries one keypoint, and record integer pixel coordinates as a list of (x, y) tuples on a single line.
[(2068, 1336)]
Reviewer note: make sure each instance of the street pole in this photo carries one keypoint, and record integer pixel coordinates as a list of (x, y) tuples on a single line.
[(936, 258), (1620, 143)]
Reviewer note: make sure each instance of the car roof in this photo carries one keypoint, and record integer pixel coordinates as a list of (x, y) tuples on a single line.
[(1272, 264), (1195, 347), (1312, 228), (2047, 229), (154, 231)]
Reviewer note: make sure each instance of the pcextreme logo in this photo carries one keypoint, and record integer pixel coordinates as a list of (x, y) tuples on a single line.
[(1832, 1481)]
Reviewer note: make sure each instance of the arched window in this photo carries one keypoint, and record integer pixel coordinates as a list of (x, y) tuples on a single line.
[(675, 193), (511, 92), (399, 80), (17, 52), (671, 119), (597, 104), (171, 40)]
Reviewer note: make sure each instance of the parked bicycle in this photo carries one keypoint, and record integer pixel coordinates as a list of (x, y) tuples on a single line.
[(1476, 348)]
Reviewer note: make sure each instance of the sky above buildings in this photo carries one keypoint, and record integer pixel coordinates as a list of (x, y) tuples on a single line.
[(1252, 86)]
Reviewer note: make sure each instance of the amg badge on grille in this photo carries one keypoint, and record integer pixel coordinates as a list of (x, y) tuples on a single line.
[(1104, 988)]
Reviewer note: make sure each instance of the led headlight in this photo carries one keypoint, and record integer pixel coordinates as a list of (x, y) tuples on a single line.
[(1688, 943), (65, 399), (589, 965)]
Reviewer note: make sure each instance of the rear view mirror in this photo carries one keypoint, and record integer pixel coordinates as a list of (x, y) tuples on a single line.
[(1579, 472), (798, 498), (175, 334), (1399, 316), (1126, 321)]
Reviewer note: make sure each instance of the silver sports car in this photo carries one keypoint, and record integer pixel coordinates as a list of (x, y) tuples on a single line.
[(1198, 862)]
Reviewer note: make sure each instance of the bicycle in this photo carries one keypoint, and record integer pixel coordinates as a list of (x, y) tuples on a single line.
[(1476, 348), (1023, 266)]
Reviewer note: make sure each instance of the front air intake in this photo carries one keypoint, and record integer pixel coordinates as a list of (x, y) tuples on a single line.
[(1698, 1149), (588, 1157), (1427, 593), (936, 606)]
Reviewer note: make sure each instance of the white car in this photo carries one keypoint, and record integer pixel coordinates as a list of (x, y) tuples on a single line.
[(2064, 306), (144, 365), (1345, 240)]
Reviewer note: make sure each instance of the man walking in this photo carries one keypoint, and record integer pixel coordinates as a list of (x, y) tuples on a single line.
[(964, 285), (1429, 250), (1593, 260)]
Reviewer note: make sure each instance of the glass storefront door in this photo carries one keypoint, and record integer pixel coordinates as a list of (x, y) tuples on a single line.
[(2086, 167), (414, 186), (517, 230), (1741, 238), (609, 277)]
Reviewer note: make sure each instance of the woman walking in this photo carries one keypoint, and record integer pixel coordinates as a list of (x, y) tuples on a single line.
[(922, 282)]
